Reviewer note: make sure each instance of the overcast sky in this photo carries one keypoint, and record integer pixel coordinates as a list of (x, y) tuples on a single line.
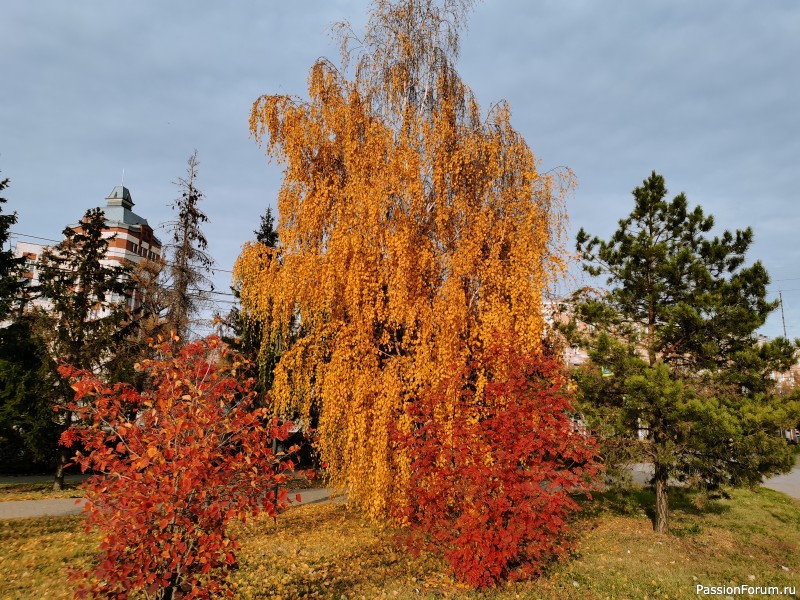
[(705, 93)]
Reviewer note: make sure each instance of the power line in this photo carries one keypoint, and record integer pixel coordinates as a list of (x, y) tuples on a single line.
[(35, 237), (26, 235), (14, 234)]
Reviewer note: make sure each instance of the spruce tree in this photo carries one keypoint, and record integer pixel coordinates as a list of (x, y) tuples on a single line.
[(28, 431), (85, 318), (266, 233), (11, 281), (188, 262), (248, 331), (677, 368)]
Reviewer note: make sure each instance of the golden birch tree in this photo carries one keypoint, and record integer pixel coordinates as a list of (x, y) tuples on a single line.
[(414, 230)]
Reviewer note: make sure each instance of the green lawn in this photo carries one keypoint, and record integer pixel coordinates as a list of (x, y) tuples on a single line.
[(326, 551)]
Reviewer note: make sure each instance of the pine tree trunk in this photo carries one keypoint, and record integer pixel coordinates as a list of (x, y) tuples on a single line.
[(661, 478)]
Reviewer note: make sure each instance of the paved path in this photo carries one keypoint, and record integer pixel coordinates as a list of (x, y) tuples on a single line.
[(59, 507), (56, 507), (788, 484)]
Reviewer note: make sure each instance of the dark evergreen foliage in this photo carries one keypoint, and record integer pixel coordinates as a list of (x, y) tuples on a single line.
[(28, 431), (247, 331), (266, 233), (87, 319), (675, 331), (12, 283), (88, 311)]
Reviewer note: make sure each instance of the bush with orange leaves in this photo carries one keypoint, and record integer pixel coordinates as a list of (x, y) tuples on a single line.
[(174, 465), (493, 487)]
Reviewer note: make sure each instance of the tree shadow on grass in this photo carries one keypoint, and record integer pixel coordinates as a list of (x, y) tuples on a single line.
[(640, 500)]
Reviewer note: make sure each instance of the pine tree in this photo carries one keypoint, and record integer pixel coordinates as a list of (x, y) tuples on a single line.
[(675, 337), (87, 317), (188, 263)]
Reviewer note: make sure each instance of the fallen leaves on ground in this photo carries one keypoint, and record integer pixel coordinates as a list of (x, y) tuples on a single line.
[(37, 491)]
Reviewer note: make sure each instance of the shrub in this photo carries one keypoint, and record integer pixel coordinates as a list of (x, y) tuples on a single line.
[(492, 487), (174, 465)]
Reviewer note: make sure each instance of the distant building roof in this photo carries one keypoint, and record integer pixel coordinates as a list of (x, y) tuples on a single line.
[(118, 213), (122, 195), (118, 208)]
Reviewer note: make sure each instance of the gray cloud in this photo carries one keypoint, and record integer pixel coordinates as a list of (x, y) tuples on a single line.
[(706, 93)]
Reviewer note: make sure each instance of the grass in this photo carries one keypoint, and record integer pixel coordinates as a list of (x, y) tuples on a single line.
[(44, 490), (330, 551), (37, 491), (36, 553)]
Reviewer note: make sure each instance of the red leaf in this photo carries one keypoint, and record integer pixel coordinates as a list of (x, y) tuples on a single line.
[(176, 475), (500, 497)]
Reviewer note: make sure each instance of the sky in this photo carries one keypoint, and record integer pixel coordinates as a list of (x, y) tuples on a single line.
[(705, 93)]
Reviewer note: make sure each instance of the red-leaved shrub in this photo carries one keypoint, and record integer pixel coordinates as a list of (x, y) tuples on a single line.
[(495, 462), (175, 464)]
